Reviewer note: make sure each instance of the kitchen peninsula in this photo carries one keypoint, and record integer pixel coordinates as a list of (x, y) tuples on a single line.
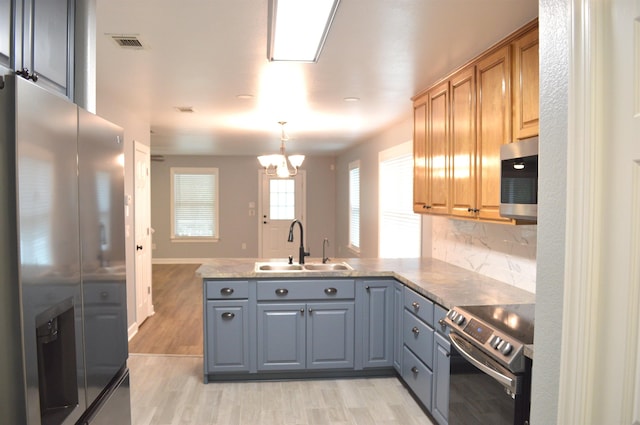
[(349, 318)]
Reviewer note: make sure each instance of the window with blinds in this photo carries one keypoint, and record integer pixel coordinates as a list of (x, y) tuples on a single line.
[(354, 205), (194, 203), (400, 228)]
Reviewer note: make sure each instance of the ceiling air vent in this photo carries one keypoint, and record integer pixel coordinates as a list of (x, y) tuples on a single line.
[(185, 109), (128, 41)]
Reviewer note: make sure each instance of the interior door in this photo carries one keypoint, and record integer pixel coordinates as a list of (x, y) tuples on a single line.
[(282, 200), (144, 304)]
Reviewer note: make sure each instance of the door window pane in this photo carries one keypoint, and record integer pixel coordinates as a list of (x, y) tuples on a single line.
[(282, 200)]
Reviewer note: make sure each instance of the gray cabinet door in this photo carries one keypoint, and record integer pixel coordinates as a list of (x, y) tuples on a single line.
[(281, 336), (228, 336), (330, 335), (378, 323), (5, 33), (441, 362), (48, 42), (398, 301)]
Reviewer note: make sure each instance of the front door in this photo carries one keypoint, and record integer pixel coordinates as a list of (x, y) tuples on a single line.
[(282, 200), (144, 304)]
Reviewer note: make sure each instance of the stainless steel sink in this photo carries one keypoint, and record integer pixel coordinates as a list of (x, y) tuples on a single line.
[(311, 267), (327, 267), (274, 267)]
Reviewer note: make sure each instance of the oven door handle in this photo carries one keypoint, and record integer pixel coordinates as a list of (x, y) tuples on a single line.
[(506, 381)]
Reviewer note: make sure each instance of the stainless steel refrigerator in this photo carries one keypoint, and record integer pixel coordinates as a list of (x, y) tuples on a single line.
[(63, 331)]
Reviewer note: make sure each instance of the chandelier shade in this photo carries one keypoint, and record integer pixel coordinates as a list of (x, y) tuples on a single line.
[(278, 164)]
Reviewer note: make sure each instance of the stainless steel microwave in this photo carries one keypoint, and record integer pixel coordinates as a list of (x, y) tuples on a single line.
[(519, 179)]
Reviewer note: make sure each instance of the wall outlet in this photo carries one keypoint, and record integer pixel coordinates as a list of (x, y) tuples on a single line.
[(244, 245), (153, 246)]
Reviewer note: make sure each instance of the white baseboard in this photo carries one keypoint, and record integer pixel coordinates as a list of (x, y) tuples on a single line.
[(132, 331), (179, 260)]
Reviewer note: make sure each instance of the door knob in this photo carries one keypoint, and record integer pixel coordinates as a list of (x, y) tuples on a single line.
[(138, 247)]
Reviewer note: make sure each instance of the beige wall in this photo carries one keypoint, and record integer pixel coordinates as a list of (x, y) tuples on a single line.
[(239, 185)]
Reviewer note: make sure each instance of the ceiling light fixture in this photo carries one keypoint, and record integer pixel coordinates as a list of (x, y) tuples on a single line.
[(298, 29), (276, 164)]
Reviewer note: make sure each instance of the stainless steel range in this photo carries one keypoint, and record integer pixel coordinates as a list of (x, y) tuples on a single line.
[(490, 375)]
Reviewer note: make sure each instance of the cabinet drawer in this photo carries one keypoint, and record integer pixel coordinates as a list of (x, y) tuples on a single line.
[(317, 289), (417, 376), (227, 289), (418, 336), (418, 305), (439, 314)]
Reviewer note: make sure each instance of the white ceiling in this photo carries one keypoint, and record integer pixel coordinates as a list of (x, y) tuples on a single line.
[(203, 53)]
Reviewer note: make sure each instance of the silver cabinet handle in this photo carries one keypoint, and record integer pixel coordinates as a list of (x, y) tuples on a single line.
[(414, 370), (227, 316), (226, 291), (302, 311), (367, 287), (282, 291), (415, 330), (330, 291), (415, 305), (310, 310), (442, 323)]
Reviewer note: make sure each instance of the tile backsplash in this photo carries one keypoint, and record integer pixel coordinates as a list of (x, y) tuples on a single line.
[(502, 252)]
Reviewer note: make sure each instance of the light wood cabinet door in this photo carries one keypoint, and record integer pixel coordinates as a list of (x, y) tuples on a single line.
[(420, 195), (463, 143), (493, 73), (438, 149), (526, 86)]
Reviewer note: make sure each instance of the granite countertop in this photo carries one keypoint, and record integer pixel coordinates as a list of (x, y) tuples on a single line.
[(443, 283)]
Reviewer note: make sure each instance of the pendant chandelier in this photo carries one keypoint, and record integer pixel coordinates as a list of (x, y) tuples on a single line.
[(278, 164)]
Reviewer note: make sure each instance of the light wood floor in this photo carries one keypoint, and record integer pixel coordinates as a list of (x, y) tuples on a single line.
[(176, 327), (168, 390)]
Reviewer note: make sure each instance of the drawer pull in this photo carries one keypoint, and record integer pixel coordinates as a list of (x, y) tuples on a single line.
[(415, 330), (228, 316), (415, 305), (226, 291), (414, 370), (330, 291), (282, 291)]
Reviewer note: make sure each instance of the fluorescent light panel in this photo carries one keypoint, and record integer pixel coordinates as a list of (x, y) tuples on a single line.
[(298, 29)]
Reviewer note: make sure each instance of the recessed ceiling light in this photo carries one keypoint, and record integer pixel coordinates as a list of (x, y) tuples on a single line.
[(298, 29), (351, 99), (244, 96), (185, 109)]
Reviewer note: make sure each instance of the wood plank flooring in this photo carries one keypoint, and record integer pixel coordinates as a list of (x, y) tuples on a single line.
[(176, 327), (168, 390)]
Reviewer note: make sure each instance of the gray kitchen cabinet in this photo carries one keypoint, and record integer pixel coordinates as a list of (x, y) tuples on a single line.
[(305, 324), (417, 335), (398, 301), (228, 331), (5, 33), (297, 336), (281, 336), (441, 363), (330, 335), (228, 339), (378, 320), (43, 41)]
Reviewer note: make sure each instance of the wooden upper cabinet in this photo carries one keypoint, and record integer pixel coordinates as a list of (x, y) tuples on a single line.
[(420, 195), (526, 86), (494, 127), (438, 149), (463, 143)]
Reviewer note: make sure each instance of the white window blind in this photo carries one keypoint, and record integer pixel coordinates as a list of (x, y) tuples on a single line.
[(400, 227), (194, 203), (354, 205)]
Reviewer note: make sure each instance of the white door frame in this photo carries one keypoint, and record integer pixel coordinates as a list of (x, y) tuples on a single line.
[(261, 213)]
